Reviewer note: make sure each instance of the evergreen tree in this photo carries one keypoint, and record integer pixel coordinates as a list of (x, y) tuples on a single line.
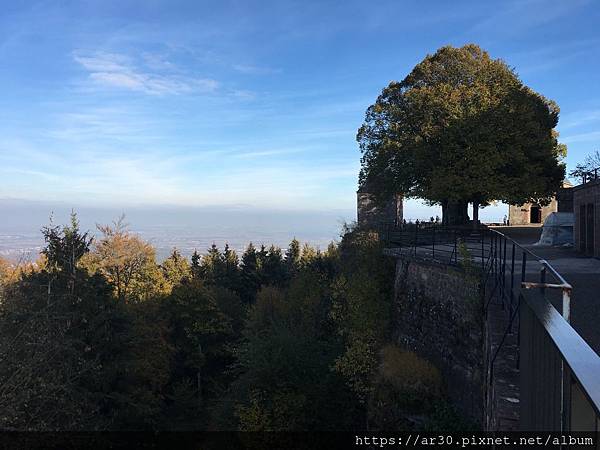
[(196, 267), (308, 256), (292, 258), (199, 332), (56, 330), (213, 265), (175, 268), (274, 269), (231, 272), (249, 275)]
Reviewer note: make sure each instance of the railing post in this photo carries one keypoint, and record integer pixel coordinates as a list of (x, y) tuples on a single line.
[(482, 248), (493, 256), (566, 304), (543, 277), (496, 261), (504, 271), (512, 281), (433, 243), (523, 266), (455, 250), (416, 236)]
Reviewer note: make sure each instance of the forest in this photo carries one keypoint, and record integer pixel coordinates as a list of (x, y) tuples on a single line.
[(98, 335)]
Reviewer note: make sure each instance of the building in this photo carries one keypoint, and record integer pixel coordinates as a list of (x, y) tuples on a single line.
[(586, 206), (373, 215), (531, 213)]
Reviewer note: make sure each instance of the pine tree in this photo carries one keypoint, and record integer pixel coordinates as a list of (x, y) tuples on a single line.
[(292, 258), (56, 335), (231, 269), (249, 275), (213, 265), (274, 269), (176, 268), (195, 267)]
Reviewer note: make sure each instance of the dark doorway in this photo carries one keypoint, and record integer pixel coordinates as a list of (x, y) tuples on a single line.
[(535, 214), (589, 239)]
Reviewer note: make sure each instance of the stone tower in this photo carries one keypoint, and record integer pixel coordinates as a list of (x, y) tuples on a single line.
[(373, 215)]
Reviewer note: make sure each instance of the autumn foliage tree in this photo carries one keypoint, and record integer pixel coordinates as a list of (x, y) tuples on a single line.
[(462, 127), (126, 261)]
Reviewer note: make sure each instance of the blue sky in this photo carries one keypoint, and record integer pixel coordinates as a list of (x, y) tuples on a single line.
[(196, 103)]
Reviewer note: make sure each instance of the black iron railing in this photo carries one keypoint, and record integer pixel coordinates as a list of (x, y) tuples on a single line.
[(559, 372), (430, 240)]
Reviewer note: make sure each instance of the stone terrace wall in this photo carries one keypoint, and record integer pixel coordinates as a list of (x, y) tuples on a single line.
[(439, 316)]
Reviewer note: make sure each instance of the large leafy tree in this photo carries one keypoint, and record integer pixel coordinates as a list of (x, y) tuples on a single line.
[(127, 262), (460, 128)]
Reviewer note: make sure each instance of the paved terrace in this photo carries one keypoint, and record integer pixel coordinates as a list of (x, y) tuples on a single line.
[(583, 273)]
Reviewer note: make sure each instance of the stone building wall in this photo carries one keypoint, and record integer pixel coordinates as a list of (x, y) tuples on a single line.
[(564, 197), (521, 214), (562, 202), (372, 215), (438, 315), (584, 196)]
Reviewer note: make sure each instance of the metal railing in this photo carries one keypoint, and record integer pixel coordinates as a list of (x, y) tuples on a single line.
[(434, 241), (559, 372)]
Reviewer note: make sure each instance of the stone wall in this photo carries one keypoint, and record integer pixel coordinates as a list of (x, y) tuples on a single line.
[(587, 196), (373, 215), (521, 214), (564, 198), (439, 315)]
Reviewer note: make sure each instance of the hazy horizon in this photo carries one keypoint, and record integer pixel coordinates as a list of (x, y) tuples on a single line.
[(191, 228)]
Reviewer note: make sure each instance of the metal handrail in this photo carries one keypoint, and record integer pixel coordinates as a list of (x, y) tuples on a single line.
[(579, 361), (562, 284), (580, 358)]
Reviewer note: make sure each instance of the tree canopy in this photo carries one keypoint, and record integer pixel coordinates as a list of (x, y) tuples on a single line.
[(98, 335), (462, 127)]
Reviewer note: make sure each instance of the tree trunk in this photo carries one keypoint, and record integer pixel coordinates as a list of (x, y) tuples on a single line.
[(445, 212), (475, 215), (455, 213)]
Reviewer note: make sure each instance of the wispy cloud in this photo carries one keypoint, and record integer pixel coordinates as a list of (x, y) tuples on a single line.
[(119, 71), (582, 137), (250, 69), (267, 153), (514, 17), (579, 118), (244, 94)]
